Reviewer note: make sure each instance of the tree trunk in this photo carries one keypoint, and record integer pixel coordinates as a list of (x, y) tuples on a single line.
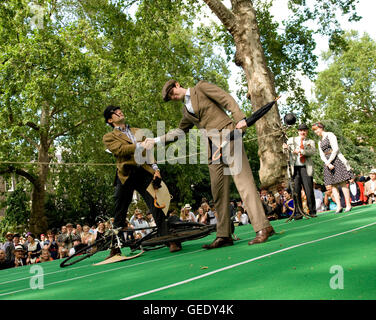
[(38, 220), (242, 24)]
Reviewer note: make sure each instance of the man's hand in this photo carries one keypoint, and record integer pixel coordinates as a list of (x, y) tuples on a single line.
[(241, 124), (148, 143), (157, 174)]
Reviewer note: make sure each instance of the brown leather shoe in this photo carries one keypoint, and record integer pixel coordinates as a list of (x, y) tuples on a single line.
[(174, 247), (114, 252), (219, 242), (262, 235)]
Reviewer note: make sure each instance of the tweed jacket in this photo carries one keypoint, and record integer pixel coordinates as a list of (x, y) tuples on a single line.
[(210, 104), (309, 150), (122, 147)]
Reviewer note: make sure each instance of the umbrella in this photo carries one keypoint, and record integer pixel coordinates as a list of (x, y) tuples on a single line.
[(250, 121)]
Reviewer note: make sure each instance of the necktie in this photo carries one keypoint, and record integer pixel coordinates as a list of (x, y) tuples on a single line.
[(302, 157)]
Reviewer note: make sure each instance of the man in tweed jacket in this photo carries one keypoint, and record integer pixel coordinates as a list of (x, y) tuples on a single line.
[(205, 107)]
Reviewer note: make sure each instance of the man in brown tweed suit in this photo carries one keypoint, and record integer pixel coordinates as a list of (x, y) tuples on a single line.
[(205, 107), (124, 143)]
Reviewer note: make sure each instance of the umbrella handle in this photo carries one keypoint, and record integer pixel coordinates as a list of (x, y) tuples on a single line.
[(218, 153)]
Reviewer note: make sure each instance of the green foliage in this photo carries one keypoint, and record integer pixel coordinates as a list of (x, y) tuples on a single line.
[(17, 211), (55, 82), (346, 90)]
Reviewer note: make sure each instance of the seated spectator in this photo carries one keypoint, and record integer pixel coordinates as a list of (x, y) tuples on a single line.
[(77, 245), (45, 256), (129, 235), (187, 214), (16, 239), (357, 196), (140, 222), (4, 263), (264, 195), (51, 245), (93, 230), (33, 249), (78, 230), (279, 197), (209, 209), (241, 217), (101, 231), (65, 240), (43, 238), (329, 202), (273, 209), (233, 208), (150, 219), (202, 216), (19, 256), (87, 237), (288, 204), (319, 198)]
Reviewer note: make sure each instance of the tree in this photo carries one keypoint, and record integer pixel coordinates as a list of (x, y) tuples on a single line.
[(346, 90), (47, 84), (241, 23), (57, 79), (17, 211)]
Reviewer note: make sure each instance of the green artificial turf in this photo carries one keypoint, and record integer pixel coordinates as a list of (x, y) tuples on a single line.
[(305, 260)]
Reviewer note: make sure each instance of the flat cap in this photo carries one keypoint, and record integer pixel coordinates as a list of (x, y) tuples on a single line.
[(166, 89), (302, 126)]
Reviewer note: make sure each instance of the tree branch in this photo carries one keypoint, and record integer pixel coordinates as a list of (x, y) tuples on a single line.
[(65, 132), (19, 172), (32, 125), (223, 14)]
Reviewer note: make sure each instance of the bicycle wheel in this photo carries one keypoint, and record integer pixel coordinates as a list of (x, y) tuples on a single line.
[(181, 232), (87, 251)]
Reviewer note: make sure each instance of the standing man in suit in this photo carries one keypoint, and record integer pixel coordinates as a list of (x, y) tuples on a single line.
[(130, 175), (205, 107), (301, 150)]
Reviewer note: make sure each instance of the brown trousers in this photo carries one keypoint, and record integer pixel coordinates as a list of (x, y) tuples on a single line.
[(244, 182)]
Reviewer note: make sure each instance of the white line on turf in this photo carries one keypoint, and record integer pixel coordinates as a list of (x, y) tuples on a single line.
[(158, 259), (241, 263)]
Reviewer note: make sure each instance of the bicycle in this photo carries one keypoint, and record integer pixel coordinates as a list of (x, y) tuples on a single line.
[(178, 231)]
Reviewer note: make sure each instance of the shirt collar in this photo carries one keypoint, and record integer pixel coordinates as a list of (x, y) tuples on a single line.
[(127, 127), (187, 95)]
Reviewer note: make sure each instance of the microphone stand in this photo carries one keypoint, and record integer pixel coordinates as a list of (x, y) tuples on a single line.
[(298, 210)]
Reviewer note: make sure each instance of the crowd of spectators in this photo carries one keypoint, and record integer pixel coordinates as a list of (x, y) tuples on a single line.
[(19, 250), (280, 205)]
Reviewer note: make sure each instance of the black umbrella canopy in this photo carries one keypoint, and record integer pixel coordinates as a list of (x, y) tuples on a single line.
[(256, 115), (260, 112)]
